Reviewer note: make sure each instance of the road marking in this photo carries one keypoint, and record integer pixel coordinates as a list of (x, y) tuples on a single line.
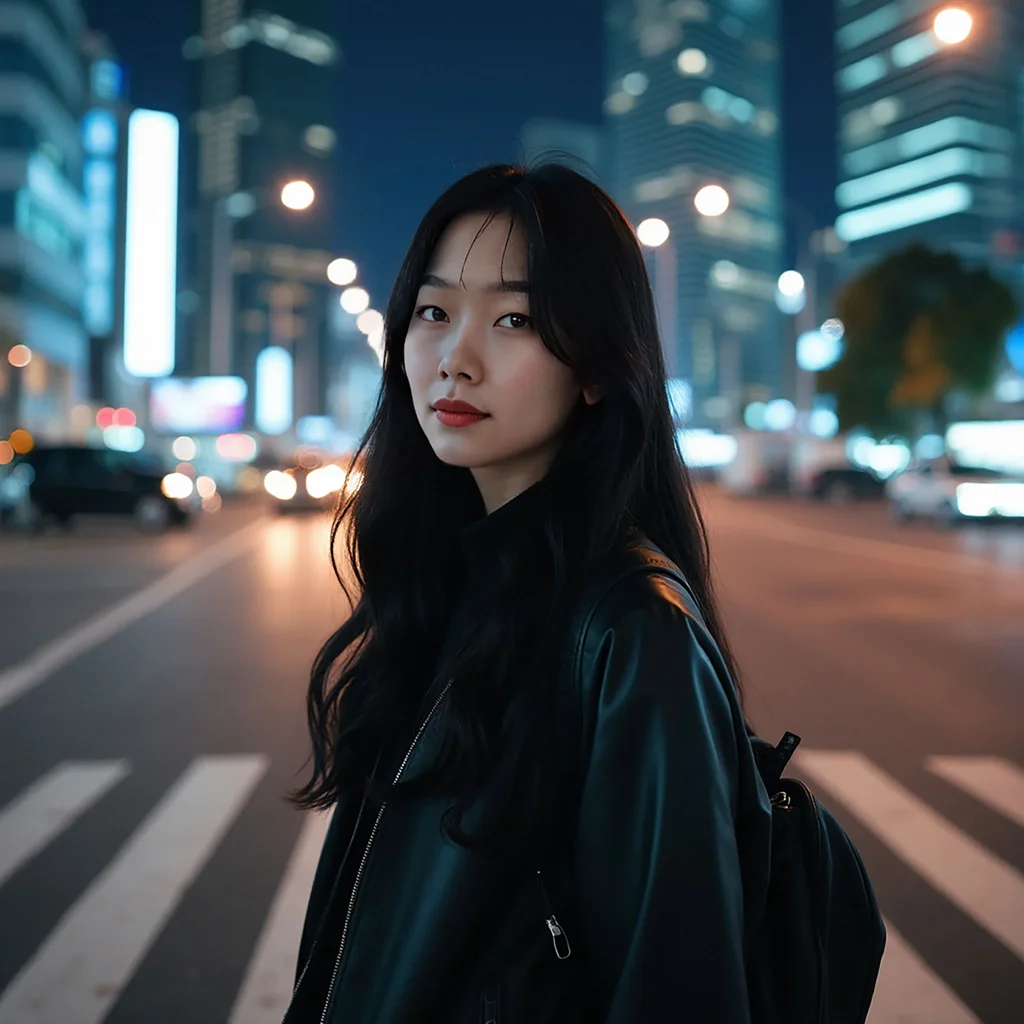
[(78, 973), (884, 550), (908, 991), (979, 883), (49, 806), (57, 653), (267, 989), (994, 781)]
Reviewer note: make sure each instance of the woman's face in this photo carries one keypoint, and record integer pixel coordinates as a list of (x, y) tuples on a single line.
[(471, 340)]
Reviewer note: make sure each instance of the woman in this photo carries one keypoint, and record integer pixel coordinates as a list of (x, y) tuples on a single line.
[(547, 805)]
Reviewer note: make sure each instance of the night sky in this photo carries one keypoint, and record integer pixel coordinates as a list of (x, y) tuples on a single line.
[(426, 97)]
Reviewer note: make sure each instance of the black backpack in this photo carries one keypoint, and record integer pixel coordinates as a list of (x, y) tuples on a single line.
[(816, 952)]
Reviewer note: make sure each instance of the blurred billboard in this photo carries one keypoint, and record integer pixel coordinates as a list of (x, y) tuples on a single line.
[(197, 405)]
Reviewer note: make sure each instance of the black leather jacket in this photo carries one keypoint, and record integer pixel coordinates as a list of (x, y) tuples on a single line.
[(669, 868)]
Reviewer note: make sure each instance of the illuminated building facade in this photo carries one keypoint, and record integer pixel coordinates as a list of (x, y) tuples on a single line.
[(931, 139), (263, 99), (44, 91), (693, 100)]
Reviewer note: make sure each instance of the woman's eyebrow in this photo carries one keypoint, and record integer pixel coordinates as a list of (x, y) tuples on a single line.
[(433, 281)]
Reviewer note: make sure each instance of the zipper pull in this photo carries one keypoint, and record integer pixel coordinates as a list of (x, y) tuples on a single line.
[(562, 949), (558, 936)]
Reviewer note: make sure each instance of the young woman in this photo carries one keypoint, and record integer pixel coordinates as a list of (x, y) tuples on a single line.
[(547, 804)]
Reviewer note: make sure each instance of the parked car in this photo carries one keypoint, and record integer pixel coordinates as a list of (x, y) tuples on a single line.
[(311, 484), (949, 492), (59, 483), (841, 484)]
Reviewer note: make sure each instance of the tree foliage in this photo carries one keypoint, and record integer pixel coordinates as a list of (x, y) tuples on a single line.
[(919, 323)]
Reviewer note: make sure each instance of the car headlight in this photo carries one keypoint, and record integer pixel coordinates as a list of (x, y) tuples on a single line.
[(980, 499), (177, 486), (325, 480), (280, 485)]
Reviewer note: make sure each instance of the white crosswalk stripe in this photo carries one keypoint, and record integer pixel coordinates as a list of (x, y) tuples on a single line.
[(979, 883), (41, 813), (992, 780), (75, 979), (267, 988), (78, 973), (909, 992)]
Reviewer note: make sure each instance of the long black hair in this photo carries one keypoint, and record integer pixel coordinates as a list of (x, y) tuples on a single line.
[(617, 471)]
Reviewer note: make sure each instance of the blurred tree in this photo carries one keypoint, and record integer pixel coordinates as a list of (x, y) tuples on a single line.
[(919, 324)]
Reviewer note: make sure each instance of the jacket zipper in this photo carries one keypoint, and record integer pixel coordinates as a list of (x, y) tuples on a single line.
[(369, 843), (558, 936)]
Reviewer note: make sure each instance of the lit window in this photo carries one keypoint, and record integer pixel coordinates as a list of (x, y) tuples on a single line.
[(921, 208), (938, 135), (869, 27), (863, 73), (915, 49), (949, 163)]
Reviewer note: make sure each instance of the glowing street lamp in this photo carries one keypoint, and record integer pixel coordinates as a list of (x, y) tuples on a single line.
[(652, 232), (711, 201), (341, 272), (953, 25), (298, 195), (355, 300)]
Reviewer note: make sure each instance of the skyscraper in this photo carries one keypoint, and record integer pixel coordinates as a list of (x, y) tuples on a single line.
[(931, 141), (693, 100), (43, 94), (264, 88)]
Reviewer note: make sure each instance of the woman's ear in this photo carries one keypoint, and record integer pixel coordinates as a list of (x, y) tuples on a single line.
[(593, 394)]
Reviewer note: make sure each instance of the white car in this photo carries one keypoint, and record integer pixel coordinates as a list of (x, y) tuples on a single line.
[(941, 490)]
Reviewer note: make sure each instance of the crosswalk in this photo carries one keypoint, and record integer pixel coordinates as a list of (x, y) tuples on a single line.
[(79, 971)]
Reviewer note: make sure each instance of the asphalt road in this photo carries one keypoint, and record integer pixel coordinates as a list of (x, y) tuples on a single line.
[(151, 717)]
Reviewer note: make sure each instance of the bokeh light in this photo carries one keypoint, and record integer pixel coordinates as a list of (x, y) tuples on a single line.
[(355, 300), (19, 356), (711, 201), (21, 441), (370, 320), (6, 453), (342, 272), (953, 25), (206, 486), (184, 448), (652, 232), (298, 195)]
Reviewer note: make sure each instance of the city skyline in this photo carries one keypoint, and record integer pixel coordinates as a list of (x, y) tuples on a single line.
[(437, 76)]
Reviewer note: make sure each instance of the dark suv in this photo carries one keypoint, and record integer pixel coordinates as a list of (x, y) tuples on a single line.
[(61, 482)]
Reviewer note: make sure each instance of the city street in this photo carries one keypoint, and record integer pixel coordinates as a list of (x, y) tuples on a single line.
[(152, 718)]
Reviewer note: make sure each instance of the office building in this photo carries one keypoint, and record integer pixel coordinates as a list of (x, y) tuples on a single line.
[(263, 101), (693, 101), (931, 141), (43, 93)]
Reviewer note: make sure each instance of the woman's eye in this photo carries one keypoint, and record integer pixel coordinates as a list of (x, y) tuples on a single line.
[(431, 314), (518, 321)]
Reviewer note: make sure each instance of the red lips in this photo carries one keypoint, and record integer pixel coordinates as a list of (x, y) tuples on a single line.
[(455, 405), (451, 412)]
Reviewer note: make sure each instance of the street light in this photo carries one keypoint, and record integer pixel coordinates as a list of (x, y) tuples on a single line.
[(341, 272), (370, 321), (711, 201), (953, 25), (355, 300), (652, 232), (298, 195)]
